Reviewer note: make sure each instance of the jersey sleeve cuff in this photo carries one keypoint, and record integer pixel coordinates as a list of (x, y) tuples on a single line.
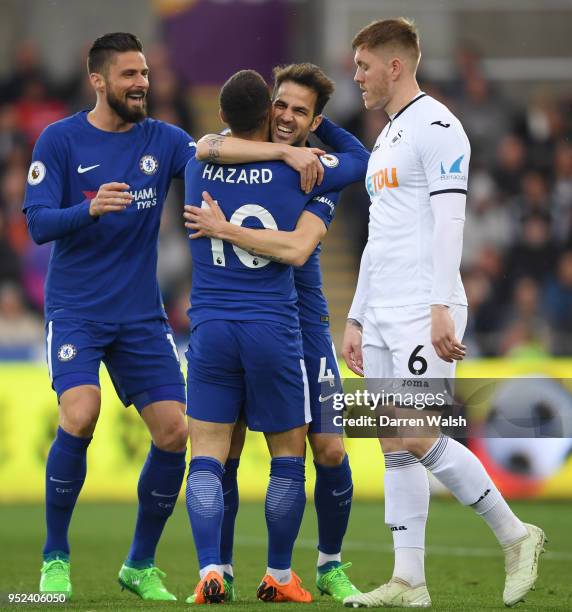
[(440, 191)]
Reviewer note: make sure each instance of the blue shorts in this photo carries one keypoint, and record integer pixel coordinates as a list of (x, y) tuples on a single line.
[(323, 380), (251, 366), (141, 358)]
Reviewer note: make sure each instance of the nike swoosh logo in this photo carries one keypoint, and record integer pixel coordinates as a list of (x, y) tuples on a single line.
[(324, 399), (81, 170), (58, 480), (337, 494), (155, 494)]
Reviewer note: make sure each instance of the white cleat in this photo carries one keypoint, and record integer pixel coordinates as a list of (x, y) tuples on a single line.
[(394, 594), (521, 564)]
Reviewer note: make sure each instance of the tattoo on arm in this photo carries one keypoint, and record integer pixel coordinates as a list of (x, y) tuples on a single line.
[(355, 323), (269, 257), (215, 142)]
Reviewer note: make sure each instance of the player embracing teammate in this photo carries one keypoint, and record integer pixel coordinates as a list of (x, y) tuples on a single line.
[(246, 355), (299, 95)]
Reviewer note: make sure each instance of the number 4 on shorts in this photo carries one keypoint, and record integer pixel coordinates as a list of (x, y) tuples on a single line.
[(326, 375)]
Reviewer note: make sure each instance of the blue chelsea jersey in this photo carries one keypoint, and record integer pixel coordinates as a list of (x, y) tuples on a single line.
[(228, 282), (312, 303), (106, 271)]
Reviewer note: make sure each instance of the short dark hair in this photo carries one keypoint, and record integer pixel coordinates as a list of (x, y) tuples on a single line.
[(245, 101), (307, 75), (398, 31), (107, 45)]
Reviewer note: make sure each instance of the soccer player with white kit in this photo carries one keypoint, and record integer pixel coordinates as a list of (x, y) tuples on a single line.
[(410, 310)]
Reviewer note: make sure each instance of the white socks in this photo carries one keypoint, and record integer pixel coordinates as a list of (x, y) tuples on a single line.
[(282, 576), (463, 474), (323, 558), (210, 568), (409, 565), (406, 509), (505, 524), (227, 569)]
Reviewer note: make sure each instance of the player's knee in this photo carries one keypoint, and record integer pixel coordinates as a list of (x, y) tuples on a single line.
[(331, 454), (173, 436), (391, 445), (79, 423), (417, 446)]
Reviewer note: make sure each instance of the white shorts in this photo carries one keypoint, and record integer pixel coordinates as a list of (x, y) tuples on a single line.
[(397, 344)]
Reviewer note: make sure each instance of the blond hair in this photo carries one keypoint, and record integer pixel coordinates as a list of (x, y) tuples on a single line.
[(397, 32)]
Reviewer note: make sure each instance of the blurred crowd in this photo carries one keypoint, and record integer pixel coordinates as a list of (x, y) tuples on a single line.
[(517, 258)]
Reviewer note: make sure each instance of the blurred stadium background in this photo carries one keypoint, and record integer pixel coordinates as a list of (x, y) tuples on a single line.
[(503, 66)]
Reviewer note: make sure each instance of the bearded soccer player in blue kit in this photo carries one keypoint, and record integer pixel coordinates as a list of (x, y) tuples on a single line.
[(245, 350), (300, 94), (96, 188)]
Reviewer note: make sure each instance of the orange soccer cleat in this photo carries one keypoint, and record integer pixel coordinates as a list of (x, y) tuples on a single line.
[(270, 590), (210, 590)]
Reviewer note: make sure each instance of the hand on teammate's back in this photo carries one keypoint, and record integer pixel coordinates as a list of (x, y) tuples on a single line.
[(305, 160), (111, 197), (206, 221), (351, 348), (443, 336)]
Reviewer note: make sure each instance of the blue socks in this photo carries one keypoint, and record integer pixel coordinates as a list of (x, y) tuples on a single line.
[(65, 474), (284, 508), (205, 507), (333, 499), (231, 500), (158, 489)]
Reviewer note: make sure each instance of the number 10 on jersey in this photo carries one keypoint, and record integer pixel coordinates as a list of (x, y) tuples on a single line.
[(238, 217)]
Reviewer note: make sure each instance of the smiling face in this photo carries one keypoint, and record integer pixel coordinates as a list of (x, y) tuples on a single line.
[(373, 75), (125, 85), (293, 114)]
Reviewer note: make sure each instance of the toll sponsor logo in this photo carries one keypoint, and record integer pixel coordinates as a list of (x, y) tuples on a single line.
[(386, 177)]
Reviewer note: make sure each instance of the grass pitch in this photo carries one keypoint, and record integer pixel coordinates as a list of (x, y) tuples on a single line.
[(464, 563)]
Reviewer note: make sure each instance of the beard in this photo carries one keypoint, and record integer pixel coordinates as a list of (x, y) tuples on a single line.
[(121, 108)]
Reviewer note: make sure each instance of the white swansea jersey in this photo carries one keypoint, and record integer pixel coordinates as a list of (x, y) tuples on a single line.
[(422, 152)]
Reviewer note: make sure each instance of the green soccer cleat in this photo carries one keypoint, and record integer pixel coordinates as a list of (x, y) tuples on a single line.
[(55, 577), (229, 592), (335, 582), (145, 582)]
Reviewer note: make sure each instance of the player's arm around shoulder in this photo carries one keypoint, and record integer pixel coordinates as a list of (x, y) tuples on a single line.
[(292, 248), (349, 153), (226, 149)]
